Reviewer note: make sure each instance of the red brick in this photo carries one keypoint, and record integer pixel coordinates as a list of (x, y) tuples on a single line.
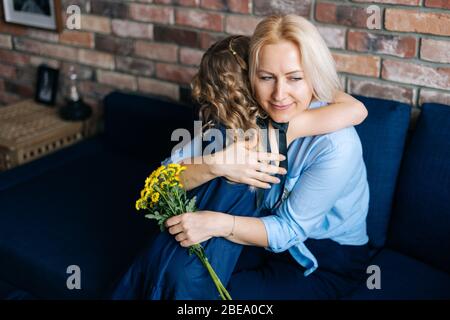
[(207, 39), (435, 50), (188, 3), (46, 49), (7, 71), (26, 74), (124, 28), (213, 4), (48, 36), (150, 13), (333, 36), (15, 30), (413, 73), (199, 19), (417, 21), (399, 46), (427, 95), (342, 14), (240, 6), (176, 35), (83, 72), (85, 5), (444, 4), (93, 89), (109, 9), (378, 89), (121, 46), (16, 58), (7, 98), (156, 51), (117, 80), (190, 56), (175, 73), (77, 38), (399, 2), (96, 59), (159, 87), (95, 23), (135, 66), (265, 8), (21, 89), (356, 64), (5, 41), (36, 61), (241, 24)]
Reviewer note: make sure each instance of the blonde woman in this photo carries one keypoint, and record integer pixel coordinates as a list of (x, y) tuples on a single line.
[(324, 195)]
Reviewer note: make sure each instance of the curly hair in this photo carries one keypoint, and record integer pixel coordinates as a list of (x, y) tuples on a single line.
[(222, 87)]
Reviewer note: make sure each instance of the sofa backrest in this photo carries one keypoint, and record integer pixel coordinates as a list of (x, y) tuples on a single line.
[(420, 225), (129, 125), (383, 136)]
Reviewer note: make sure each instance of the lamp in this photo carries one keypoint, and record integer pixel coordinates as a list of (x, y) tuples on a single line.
[(75, 109)]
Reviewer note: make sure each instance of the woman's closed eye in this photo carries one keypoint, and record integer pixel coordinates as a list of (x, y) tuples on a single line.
[(296, 79), (266, 78)]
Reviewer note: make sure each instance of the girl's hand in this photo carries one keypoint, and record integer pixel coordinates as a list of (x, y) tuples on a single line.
[(239, 163), (195, 227)]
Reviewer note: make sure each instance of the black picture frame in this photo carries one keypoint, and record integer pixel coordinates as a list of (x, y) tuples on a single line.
[(46, 85)]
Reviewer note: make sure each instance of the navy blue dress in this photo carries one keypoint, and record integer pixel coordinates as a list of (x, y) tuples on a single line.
[(165, 270)]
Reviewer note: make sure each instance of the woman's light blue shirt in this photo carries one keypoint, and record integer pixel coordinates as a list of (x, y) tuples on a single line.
[(326, 195)]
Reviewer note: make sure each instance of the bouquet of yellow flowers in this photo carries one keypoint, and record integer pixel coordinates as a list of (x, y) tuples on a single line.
[(164, 197)]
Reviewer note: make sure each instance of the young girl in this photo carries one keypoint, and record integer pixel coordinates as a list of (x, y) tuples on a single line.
[(222, 88)]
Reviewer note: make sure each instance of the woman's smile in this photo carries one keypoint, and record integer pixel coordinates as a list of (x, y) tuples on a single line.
[(279, 106)]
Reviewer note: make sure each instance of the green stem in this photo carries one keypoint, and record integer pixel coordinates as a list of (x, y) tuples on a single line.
[(167, 201), (199, 251)]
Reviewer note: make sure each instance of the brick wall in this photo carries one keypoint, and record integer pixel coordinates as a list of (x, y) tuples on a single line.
[(154, 46)]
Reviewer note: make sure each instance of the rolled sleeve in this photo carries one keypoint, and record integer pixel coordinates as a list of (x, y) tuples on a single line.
[(280, 235)]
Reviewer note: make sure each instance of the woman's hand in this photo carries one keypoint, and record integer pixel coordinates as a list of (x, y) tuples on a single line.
[(239, 163), (194, 227)]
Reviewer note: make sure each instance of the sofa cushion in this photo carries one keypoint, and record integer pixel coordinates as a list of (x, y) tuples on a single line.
[(131, 127), (9, 292), (403, 277), (383, 136), (420, 224), (81, 213)]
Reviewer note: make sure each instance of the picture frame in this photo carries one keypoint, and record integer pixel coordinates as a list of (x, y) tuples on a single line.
[(43, 14), (46, 85)]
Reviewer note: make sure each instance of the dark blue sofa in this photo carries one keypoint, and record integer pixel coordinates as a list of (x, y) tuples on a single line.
[(76, 206)]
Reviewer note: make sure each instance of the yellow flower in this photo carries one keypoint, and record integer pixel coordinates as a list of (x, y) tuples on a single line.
[(141, 204), (155, 197)]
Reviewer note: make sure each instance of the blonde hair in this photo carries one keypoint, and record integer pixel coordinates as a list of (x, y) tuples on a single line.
[(316, 59), (222, 87)]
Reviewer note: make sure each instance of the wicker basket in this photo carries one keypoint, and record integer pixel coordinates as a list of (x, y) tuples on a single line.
[(29, 131)]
